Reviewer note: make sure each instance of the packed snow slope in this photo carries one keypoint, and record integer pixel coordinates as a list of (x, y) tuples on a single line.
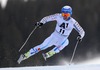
[(65, 67)]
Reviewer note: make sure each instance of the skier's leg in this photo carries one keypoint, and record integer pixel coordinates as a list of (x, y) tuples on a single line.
[(51, 53), (47, 43), (56, 49), (33, 51), (28, 54)]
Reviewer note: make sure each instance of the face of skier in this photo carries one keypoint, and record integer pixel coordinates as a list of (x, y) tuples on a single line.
[(65, 15), (66, 12)]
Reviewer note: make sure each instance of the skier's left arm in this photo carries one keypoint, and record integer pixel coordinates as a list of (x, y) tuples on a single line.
[(80, 30)]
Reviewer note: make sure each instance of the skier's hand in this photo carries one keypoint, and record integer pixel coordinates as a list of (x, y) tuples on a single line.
[(79, 38), (39, 24)]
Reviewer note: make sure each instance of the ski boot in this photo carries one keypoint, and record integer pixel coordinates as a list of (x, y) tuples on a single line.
[(44, 56), (21, 58), (48, 54)]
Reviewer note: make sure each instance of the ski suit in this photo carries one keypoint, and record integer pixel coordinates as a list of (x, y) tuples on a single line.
[(59, 38)]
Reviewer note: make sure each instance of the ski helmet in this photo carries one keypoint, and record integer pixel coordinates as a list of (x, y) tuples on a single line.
[(66, 11)]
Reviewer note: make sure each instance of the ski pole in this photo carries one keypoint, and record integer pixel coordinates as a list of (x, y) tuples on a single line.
[(27, 38), (74, 52)]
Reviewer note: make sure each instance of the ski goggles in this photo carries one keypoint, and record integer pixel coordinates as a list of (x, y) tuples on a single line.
[(66, 14)]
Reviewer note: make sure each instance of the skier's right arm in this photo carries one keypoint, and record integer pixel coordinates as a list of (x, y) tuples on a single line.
[(49, 18)]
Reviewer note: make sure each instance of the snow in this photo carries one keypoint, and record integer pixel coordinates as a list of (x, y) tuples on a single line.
[(93, 64), (65, 67), (92, 61)]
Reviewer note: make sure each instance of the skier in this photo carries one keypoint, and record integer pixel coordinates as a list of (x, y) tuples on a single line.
[(59, 38)]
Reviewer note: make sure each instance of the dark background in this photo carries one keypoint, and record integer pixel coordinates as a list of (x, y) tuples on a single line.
[(17, 21)]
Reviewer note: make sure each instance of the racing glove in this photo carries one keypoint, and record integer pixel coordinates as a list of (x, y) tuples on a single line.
[(39, 24), (79, 38)]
